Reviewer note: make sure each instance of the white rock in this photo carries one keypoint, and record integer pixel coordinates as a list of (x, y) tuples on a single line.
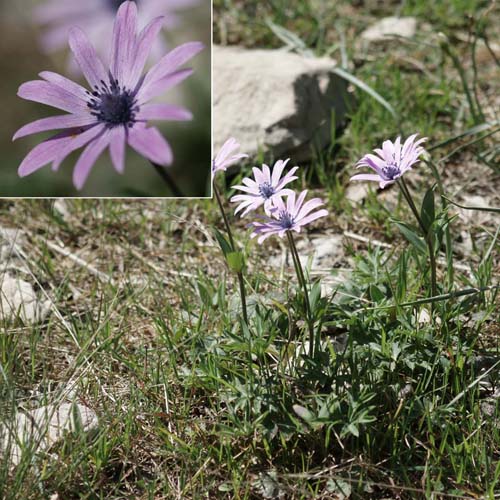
[(18, 299), (390, 26), (39, 429), (275, 101), (475, 217), (9, 239), (357, 191), (326, 251), (61, 206)]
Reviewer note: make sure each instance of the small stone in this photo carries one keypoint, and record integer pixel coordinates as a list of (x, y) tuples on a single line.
[(389, 27), (61, 207), (39, 429), (326, 251), (275, 102), (475, 217), (357, 191), (424, 317), (18, 299)]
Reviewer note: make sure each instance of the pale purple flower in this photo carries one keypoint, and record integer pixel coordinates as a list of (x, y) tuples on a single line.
[(226, 157), (115, 111), (96, 17), (291, 216), (392, 162), (265, 189)]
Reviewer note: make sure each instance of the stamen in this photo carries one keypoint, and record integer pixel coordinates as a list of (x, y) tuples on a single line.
[(286, 220), (113, 105), (266, 190), (391, 171)]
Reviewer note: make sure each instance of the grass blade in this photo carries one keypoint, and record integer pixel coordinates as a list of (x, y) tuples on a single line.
[(366, 88)]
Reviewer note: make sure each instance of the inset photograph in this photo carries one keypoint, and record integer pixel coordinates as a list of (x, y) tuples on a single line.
[(106, 98)]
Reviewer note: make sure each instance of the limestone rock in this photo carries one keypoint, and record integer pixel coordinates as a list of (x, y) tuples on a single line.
[(326, 251), (41, 428), (18, 299), (387, 27), (356, 192), (274, 101)]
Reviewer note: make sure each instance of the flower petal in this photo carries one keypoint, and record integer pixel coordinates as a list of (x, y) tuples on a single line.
[(86, 57), (88, 158), (151, 144), (144, 43), (52, 95), (163, 112), (61, 81), (312, 217), (258, 175), (77, 140), (154, 89), (117, 148), (245, 189), (388, 150), (278, 170), (308, 207), (52, 148), (54, 123), (171, 62), (226, 149), (123, 45), (383, 183), (266, 172), (289, 177), (366, 177)]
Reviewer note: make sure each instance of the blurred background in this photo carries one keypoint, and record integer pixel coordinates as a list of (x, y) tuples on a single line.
[(22, 58)]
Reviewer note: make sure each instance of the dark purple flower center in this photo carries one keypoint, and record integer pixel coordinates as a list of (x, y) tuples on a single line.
[(286, 220), (112, 104), (115, 4), (266, 190), (391, 171)]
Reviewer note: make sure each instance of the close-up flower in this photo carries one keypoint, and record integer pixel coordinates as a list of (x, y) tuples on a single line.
[(96, 16), (289, 216), (227, 156), (115, 110), (264, 189), (393, 160)]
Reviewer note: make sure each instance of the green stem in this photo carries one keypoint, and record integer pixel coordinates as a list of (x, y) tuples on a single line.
[(162, 171), (302, 280), (241, 282), (444, 203), (428, 235)]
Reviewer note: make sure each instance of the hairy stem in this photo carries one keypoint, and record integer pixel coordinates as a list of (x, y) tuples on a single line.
[(428, 235), (302, 280), (241, 281), (162, 171)]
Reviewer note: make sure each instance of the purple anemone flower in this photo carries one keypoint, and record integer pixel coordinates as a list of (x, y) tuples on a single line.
[(265, 189), (393, 160), (291, 216), (115, 109), (96, 16), (226, 157)]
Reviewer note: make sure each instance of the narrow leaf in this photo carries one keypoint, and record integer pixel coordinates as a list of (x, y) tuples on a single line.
[(235, 261), (412, 237), (223, 243), (428, 210), (366, 88)]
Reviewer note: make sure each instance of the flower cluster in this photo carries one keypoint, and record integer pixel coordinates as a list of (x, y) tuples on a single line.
[(285, 211), (393, 160)]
